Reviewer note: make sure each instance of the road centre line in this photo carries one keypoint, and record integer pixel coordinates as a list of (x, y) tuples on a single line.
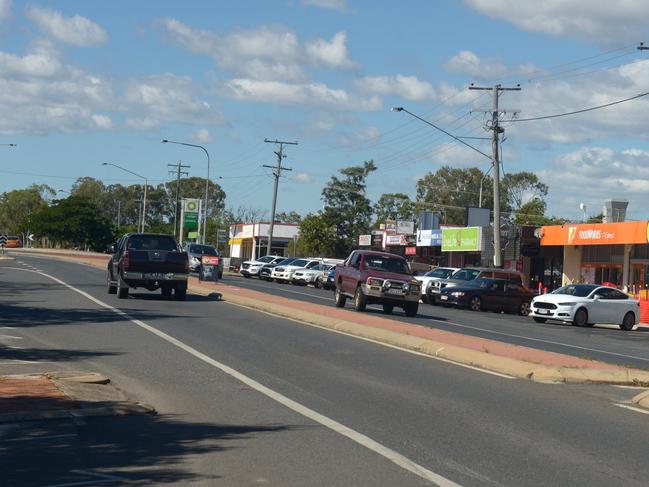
[(32, 438), (511, 335), (11, 337), (99, 479), (361, 439)]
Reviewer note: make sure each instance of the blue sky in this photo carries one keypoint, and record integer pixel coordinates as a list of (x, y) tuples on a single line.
[(92, 82)]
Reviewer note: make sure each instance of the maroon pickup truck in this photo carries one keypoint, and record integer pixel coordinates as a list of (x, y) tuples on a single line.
[(377, 277)]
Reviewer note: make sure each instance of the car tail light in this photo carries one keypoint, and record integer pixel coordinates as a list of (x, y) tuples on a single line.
[(126, 263)]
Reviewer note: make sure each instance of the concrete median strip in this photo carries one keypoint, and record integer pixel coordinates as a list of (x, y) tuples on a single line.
[(499, 357)]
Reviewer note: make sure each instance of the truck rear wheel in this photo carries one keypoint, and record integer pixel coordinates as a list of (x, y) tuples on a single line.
[(340, 298), (180, 291)]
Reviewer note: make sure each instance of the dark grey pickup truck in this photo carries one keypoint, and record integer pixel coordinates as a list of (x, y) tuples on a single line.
[(148, 260)]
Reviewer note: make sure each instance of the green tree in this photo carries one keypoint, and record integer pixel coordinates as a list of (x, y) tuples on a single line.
[(74, 222), (347, 208), (521, 188), (451, 190), (18, 207), (317, 235), (288, 217), (391, 206)]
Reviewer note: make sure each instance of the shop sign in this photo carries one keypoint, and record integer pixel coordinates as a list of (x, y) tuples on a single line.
[(429, 238), (393, 240), (405, 227), (377, 240), (364, 240), (411, 250), (596, 234), (466, 239)]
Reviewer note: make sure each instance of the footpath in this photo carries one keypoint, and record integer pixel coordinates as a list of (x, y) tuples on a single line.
[(512, 360)]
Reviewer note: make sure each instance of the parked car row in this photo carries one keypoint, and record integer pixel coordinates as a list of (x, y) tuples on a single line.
[(295, 270)]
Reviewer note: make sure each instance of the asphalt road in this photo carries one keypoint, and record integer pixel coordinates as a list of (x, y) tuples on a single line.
[(606, 342), (218, 428)]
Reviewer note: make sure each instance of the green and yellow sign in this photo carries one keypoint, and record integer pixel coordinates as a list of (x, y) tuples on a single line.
[(190, 213), (466, 239)]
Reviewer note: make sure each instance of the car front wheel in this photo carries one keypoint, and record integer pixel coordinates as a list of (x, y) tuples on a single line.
[(475, 304), (411, 309), (581, 318), (524, 308)]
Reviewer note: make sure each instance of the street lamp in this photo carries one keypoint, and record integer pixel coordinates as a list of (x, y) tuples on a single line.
[(207, 181), (146, 184)]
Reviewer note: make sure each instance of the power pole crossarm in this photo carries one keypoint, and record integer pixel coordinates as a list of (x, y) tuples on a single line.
[(277, 172)]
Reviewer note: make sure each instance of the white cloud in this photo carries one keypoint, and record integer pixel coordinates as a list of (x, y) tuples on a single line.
[(406, 87), (302, 94), (364, 135), (592, 175), (339, 5), (75, 30), (332, 54), (167, 98), (304, 177), (267, 52), (469, 63), (5, 9), (597, 21), (202, 136), (103, 121)]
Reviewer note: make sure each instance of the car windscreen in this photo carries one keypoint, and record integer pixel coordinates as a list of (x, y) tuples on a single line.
[(465, 274), (151, 242), (265, 259), (287, 261), (579, 290), (300, 263), (202, 250), (440, 273), (386, 264)]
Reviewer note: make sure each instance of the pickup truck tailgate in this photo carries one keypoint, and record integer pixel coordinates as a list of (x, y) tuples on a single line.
[(158, 261)]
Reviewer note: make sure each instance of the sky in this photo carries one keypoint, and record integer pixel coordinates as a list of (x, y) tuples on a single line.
[(83, 83)]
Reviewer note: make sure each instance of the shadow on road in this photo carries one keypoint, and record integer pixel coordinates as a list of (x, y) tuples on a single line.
[(138, 450)]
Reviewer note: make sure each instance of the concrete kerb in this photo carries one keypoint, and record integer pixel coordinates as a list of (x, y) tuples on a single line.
[(475, 358), (91, 393), (642, 399)]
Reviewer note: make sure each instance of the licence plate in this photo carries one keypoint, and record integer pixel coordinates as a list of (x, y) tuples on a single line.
[(158, 275), (543, 311), (444, 297), (395, 291)]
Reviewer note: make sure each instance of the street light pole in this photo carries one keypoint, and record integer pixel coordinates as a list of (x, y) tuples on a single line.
[(146, 184), (207, 182)]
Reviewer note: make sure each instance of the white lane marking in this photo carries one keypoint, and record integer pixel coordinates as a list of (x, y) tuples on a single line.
[(8, 328), (32, 438), (396, 347), (20, 362), (99, 479), (619, 386), (363, 440), (631, 408), (10, 337)]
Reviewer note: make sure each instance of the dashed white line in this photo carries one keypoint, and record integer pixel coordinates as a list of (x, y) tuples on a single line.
[(363, 440), (10, 337), (33, 438)]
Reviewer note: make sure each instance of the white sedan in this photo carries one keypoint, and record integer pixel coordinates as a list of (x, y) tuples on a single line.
[(315, 275), (586, 305)]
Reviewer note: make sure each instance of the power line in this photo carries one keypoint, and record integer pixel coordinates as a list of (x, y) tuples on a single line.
[(580, 111)]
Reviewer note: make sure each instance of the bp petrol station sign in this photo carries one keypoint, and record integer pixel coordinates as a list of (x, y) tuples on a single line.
[(190, 218)]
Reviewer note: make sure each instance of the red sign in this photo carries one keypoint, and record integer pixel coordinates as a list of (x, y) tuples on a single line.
[(210, 260), (411, 250)]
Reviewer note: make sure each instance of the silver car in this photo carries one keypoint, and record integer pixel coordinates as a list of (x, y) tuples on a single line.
[(195, 252)]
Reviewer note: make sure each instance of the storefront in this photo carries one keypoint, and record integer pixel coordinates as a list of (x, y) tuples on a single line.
[(250, 241), (616, 253)]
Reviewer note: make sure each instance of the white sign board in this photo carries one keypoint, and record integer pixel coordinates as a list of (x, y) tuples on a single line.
[(364, 240), (405, 227)]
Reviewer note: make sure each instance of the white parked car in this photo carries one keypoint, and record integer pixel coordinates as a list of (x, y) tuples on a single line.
[(316, 275), (586, 305), (434, 275), (284, 273), (251, 267)]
